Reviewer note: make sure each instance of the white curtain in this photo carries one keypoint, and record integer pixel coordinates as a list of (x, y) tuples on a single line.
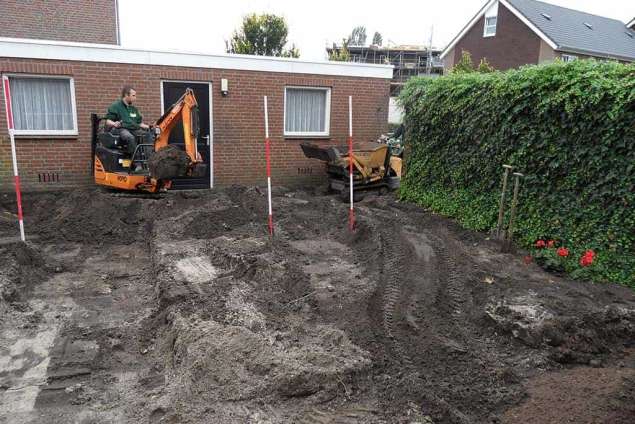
[(306, 110), (41, 103)]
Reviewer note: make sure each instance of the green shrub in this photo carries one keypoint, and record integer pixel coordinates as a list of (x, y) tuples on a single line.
[(569, 127)]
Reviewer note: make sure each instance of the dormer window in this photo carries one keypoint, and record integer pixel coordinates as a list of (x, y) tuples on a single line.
[(491, 19), (490, 26)]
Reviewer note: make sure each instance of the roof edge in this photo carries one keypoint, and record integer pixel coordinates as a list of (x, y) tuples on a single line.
[(595, 54), (512, 9), (87, 52)]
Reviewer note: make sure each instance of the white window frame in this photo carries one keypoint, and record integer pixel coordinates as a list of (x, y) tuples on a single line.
[(487, 28), (72, 132), (490, 13), (327, 111), (569, 57)]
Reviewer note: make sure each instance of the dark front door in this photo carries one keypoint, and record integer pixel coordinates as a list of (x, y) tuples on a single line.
[(172, 91)]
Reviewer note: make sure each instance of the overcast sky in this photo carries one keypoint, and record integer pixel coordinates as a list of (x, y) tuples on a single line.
[(202, 26)]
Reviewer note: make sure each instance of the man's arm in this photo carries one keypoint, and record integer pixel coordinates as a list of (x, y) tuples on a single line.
[(112, 118), (140, 121)]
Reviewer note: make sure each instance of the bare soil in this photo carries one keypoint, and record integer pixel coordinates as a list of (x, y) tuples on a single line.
[(181, 309)]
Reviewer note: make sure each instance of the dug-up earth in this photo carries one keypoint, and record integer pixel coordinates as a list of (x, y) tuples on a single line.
[(182, 310)]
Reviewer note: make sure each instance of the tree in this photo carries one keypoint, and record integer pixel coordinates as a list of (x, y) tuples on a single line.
[(484, 67), (377, 39), (262, 35), (358, 36), (464, 65), (340, 54)]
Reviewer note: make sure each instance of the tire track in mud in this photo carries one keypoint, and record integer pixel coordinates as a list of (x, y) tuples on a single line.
[(392, 272), (401, 288), (450, 288)]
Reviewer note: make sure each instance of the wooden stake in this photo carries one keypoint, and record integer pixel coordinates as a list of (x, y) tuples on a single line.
[(501, 209)]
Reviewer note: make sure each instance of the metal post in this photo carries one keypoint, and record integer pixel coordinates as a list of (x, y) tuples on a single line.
[(351, 213), (510, 231), (501, 208), (268, 165), (14, 158)]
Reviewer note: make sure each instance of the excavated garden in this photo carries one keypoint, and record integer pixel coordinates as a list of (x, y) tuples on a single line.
[(181, 309)]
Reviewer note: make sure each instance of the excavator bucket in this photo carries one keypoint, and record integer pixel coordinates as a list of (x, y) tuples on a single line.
[(168, 162)]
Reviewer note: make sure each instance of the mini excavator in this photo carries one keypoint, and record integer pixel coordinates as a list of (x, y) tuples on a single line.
[(154, 162)]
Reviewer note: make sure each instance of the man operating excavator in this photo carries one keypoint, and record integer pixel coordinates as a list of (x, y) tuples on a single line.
[(156, 161), (125, 120)]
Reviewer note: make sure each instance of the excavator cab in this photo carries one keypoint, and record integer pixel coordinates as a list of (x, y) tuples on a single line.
[(113, 153)]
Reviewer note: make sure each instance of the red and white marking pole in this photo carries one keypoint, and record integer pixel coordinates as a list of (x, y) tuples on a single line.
[(351, 213), (268, 158), (16, 176)]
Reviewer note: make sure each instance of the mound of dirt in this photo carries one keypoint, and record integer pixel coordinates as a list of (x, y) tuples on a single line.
[(21, 267), (263, 364), (168, 162), (572, 338), (87, 216)]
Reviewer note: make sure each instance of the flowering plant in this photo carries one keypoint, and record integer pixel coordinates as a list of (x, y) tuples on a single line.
[(560, 259)]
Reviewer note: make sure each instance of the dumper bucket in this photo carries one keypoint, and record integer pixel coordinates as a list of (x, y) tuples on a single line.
[(313, 151)]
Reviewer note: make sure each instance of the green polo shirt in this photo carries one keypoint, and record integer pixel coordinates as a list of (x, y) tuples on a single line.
[(128, 115)]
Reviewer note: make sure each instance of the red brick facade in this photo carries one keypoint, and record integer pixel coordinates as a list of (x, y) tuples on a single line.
[(513, 45), (237, 119), (93, 21)]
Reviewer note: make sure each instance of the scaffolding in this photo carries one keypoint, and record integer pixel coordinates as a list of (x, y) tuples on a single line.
[(408, 61)]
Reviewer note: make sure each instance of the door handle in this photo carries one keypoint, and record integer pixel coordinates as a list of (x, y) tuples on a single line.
[(206, 138)]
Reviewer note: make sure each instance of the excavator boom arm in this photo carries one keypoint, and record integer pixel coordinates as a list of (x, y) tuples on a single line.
[(184, 110)]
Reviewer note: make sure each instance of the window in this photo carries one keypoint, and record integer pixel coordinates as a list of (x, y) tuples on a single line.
[(569, 58), (491, 19), (307, 111), (490, 26), (43, 105)]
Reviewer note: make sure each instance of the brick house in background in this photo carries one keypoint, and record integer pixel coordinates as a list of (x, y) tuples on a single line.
[(512, 33), (56, 85), (94, 21)]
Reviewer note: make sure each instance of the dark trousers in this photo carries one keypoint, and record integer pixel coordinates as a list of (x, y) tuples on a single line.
[(129, 137)]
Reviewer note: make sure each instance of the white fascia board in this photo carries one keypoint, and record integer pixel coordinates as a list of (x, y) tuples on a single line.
[(512, 9), (631, 23), (467, 27), (531, 26), (84, 52)]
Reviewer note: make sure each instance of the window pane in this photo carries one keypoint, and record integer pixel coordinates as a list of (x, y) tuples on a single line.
[(306, 110), (41, 104), (490, 25)]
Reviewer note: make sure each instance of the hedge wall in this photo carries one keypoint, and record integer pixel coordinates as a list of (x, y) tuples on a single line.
[(570, 128)]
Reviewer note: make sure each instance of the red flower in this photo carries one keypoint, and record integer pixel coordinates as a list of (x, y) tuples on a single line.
[(587, 258), (540, 244), (551, 243), (563, 252)]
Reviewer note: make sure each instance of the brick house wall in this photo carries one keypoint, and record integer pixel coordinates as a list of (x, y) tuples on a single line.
[(238, 129), (93, 21), (513, 45)]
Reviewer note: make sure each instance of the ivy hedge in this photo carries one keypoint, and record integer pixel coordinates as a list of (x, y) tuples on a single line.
[(568, 127)]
